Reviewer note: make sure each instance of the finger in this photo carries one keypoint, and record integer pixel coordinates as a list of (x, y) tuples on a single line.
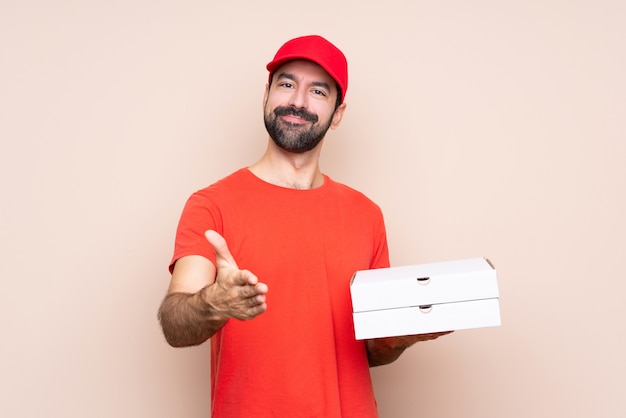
[(261, 288), (252, 312), (255, 300), (249, 306), (249, 279), (256, 308), (435, 335), (222, 253), (253, 291)]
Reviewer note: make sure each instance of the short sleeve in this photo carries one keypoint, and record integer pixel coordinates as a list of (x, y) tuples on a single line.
[(199, 214)]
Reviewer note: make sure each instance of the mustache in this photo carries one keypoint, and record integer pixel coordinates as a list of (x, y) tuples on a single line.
[(292, 111)]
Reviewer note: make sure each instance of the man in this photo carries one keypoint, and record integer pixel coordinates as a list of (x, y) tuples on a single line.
[(263, 261)]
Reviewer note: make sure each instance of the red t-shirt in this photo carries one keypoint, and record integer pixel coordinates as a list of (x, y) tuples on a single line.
[(299, 358)]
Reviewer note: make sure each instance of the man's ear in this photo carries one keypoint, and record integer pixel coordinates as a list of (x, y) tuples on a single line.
[(266, 94), (337, 116)]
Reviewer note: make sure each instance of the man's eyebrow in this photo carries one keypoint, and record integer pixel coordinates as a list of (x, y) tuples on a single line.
[(288, 76), (291, 77), (321, 84)]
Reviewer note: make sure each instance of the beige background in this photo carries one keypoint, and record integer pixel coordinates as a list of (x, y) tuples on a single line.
[(482, 128)]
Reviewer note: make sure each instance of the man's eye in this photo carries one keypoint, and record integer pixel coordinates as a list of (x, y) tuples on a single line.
[(320, 92), (286, 84)]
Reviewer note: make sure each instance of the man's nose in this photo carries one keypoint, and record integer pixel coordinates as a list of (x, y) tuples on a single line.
[(299, 98)]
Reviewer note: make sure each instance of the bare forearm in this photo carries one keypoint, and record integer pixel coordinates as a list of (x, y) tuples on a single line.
[(187, 320), (383, 351)]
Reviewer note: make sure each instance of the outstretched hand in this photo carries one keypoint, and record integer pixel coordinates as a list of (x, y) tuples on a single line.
[(236, 293)]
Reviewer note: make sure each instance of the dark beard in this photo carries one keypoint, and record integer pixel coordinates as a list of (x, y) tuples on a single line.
[(293, 137)]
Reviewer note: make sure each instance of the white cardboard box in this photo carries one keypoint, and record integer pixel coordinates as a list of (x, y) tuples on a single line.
[(424, 298)]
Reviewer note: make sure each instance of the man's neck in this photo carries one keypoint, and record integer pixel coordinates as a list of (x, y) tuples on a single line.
[(285, 169)]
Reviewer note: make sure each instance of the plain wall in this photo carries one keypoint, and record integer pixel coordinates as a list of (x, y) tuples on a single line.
[(482, 128)]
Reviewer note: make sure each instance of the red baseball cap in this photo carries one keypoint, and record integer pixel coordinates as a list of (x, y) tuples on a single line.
[(320, 51)]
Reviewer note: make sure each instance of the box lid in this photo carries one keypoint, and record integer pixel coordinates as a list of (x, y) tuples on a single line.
[(423, 284)]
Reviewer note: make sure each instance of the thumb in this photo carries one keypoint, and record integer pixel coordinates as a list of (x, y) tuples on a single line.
[(222, 253)]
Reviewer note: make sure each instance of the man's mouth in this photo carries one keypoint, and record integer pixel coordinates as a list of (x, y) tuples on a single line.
[(293, 120), (295, 116)]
